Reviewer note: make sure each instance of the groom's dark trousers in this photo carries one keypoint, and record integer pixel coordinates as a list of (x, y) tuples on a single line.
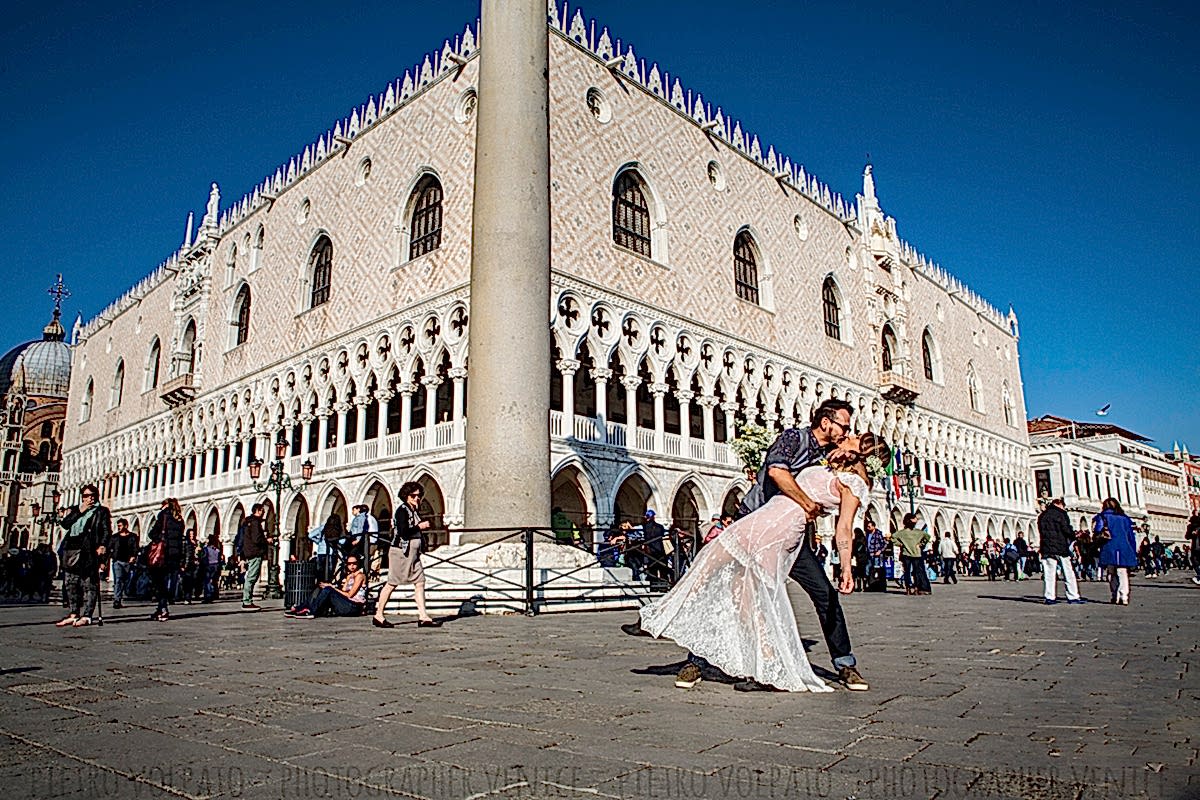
[(809, 573)]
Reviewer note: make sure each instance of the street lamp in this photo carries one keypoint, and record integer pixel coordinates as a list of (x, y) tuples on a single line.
[(910, 479), (48, 518), (278, 481)]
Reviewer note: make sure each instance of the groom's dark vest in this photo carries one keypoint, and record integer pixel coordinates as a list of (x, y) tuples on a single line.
[(795, 449)]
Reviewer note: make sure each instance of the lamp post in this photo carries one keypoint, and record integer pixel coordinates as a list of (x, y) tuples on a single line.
[(278, 481), (49, 517), (912, 479)]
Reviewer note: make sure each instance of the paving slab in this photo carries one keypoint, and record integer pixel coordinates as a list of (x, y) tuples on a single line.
[(972, 696)]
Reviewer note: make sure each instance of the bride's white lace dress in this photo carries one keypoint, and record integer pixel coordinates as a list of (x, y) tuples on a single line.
[(732, 606)]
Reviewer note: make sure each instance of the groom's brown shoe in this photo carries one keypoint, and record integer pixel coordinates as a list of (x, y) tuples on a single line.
[(852, 680), (688, 677)]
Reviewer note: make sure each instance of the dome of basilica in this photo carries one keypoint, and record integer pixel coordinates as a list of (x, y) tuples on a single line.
[(39, 368)]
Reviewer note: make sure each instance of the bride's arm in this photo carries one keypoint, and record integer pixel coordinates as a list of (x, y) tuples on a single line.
[(844, 536)]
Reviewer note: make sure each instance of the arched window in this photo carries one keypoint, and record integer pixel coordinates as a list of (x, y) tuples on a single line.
[(745, 267), (631, 214), (260, 238), (425, 230), (152, 364), (118, 387), (973, 388), (241, 316), (887, 348), (187, 364), (85, 407), (832, 309), (927, 354), (320, 267)]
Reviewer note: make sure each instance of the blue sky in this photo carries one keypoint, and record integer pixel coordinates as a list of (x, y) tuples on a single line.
[(1043, 153)]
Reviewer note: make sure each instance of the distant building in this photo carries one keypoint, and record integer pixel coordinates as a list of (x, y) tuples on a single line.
[(34, 380), (1086, 462), (1190, 465)]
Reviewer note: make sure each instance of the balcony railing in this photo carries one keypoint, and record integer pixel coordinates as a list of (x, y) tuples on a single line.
[(179, 390), (897, 388)]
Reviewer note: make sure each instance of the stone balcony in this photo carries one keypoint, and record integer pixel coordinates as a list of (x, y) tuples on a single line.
[(897, 387), (179, 390)]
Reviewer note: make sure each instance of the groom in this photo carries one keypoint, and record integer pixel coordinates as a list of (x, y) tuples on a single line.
[(792, 451)]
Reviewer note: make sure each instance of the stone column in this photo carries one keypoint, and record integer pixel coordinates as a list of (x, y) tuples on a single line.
[(360, 421), (431, 383), (601, 376), (459, 376), (684, 396), (631, 383), (341, 408), (508, 437), (406, 393), (306, 420), (707, 403), (568, 367), (658, 391), (323, 428), (383, 396), (730, 408)]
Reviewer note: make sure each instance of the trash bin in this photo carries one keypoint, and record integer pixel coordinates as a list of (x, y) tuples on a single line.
[(299, 578)]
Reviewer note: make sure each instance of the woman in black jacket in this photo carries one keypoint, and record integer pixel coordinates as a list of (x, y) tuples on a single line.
[(166, 554), (88, 525)]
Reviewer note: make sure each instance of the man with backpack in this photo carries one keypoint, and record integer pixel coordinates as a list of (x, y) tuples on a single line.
[(88, 525)]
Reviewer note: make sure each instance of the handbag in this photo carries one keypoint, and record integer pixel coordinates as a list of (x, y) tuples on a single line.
[(72, 559), (157, 557)]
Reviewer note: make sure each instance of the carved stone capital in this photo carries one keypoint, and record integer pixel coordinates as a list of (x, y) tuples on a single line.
[(707, 400), (658, 389), (684, 395), (567, 366), (457, 373), (601, 374), (631, 382), (431, 380)]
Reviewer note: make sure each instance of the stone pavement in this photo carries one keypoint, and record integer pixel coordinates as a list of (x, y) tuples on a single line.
[(977, 691)]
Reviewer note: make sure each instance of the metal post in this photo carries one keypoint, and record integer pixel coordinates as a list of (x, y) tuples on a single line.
[(530, 610), (676, 556)]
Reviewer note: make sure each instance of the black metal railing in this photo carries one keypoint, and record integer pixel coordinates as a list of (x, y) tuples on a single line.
[(661, 569)]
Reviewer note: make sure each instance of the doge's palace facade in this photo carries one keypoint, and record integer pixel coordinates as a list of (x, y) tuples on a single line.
[(697, 281)]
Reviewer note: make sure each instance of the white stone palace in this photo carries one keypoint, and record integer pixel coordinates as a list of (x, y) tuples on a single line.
[(699, 278)]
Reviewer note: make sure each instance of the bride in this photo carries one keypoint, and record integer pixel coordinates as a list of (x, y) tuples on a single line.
[(732, 606)]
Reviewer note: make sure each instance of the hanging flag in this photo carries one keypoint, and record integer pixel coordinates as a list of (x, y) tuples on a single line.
[(896, 467)]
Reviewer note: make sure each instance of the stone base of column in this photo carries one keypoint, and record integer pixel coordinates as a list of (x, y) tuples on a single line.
[(560, 584)]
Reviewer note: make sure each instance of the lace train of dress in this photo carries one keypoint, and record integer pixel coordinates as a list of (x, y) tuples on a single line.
[(732, 606)]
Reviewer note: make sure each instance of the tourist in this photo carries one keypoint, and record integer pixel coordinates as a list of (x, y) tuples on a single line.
[(732, 608), (653, 536), (88, 525), (404, 558), (165, 556), (211, 559), (948, 550), (1119, 553), (1022, 554), (347, 600), (1055, 533), (122, 550), (1146, 558), (859, 560), (912, 548), (255, 545), (564, 530), (189, 565)]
